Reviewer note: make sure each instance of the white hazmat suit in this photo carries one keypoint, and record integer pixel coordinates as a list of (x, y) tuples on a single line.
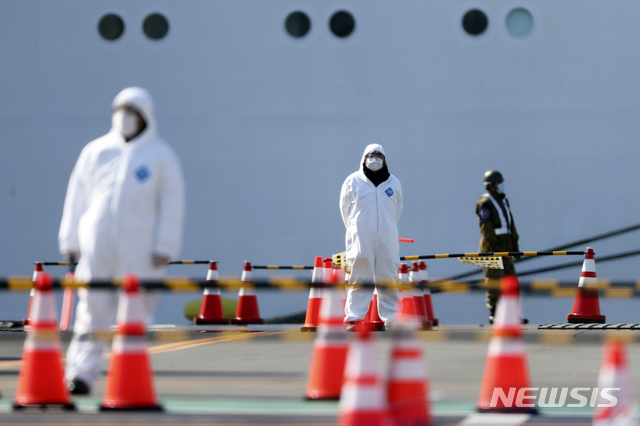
[(124, 203), (371, 216)]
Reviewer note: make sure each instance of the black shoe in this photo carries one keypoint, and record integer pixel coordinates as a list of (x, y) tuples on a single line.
[(351, 326), (490, 319), (524, 320), (78, 387)]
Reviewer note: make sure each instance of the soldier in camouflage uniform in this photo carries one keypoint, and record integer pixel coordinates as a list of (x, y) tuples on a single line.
[(498, 233)]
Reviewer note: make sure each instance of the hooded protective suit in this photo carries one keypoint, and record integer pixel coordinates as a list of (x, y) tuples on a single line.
[(125, 202), (371, 216)]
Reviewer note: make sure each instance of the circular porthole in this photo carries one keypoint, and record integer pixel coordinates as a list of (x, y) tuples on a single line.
[(519, 22), (155, 26), (342, 24), (475, 22), (297, 24), (111, 27)]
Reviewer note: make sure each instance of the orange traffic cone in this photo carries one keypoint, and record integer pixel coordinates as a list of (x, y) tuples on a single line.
[(36, 272), (362, 401), (41, 380), (614, 375), (211, 307), (315, 297), (427, 294), (586, 307), (372, 320), (247, 311), (421, 307), (330, 347), (129, 384), (408, 386), (406, 302), (505, 371)]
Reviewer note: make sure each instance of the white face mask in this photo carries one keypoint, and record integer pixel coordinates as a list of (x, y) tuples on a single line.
[(125, 123), (501, 188), (374, 164)]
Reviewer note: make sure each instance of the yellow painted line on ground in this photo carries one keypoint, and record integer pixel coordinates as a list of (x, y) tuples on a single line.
[(171, 347), (556, 337)]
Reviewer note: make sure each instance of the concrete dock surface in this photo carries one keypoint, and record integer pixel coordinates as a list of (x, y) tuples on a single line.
[(258, 375)]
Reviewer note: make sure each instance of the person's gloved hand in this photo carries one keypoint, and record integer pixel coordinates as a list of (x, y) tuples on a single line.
[(159, 259)]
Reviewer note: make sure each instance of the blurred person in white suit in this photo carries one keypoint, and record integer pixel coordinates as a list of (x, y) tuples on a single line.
[(123, 214)]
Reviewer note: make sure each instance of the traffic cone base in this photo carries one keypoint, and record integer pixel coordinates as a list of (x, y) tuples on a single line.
[(122, 394), (54, 393), (326, 358), (129, 384), (211, 309), (587, 300)]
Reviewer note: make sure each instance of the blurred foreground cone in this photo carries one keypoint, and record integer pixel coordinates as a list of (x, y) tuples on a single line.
[(330, 347), (129, 384), (586, 307), (315, 297), (372, 320), (247, 311), (211, 307), (407, 387), (424, 276), (36, 272), (41, 380), (421, 308), (614, 373), (506, 371), (406, 303), (362, 402)]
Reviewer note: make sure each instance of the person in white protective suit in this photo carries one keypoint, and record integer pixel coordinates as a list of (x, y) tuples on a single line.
[(123, 214), (371, 205)]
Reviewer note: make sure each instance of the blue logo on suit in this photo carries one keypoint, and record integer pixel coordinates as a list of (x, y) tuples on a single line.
[(389, 192), (142, 173)]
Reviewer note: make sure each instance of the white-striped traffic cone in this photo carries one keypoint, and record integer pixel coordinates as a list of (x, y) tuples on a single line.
[(315, 297), (421, 309), (615, 378), (211, 308), (247, 311), (41, 379), (362, 401), (586, 307), (408, 385), (427, 293), (506, 367), (330, 347)]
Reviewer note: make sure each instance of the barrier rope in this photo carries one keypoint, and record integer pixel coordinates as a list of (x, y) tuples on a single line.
[(281, 267), (584, 241), (496, 254), (617, 289)]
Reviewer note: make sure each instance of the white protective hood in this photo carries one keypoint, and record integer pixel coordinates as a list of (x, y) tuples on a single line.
[(368, 150), (125, 201)]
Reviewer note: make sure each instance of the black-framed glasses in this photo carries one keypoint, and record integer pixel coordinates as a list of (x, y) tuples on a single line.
[(375, 154)]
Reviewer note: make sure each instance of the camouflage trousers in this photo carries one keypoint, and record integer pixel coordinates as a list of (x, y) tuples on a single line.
[(492, 279)]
